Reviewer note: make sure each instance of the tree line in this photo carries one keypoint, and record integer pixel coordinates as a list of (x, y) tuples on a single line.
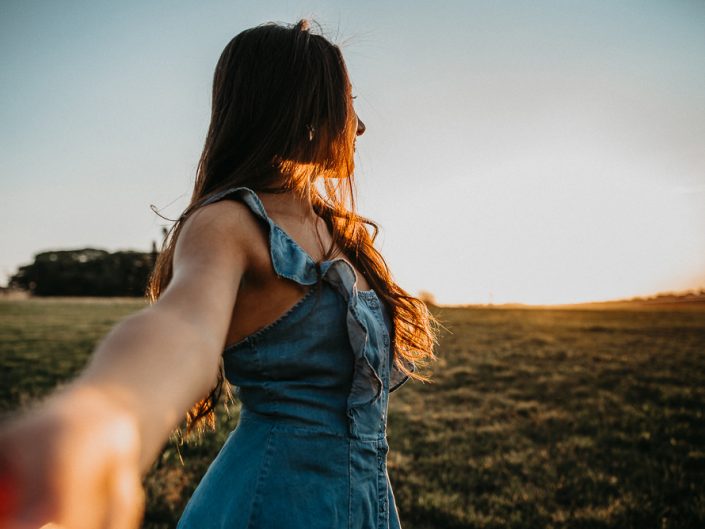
[(86, 272)]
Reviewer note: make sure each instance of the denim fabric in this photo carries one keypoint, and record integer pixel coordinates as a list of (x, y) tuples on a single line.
[(310, 448)]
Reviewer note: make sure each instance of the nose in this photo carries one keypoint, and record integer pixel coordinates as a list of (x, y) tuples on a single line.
[(360, 127)]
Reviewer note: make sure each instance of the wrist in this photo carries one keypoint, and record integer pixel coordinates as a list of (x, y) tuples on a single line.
[(107, 413)]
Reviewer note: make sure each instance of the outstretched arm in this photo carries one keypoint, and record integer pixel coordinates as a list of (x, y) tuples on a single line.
[(77, 459), (158, 362)]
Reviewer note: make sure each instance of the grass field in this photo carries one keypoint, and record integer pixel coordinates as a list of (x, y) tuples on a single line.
[(537, 418)]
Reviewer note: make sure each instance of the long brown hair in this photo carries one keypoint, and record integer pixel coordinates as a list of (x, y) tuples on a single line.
[(282, 107)]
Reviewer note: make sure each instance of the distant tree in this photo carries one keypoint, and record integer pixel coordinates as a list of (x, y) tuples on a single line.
[(85, 272), (427, 297)]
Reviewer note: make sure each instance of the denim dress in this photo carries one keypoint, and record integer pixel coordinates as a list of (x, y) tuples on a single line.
[(310, 448)]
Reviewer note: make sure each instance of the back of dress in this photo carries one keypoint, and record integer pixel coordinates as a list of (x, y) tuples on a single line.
[(310, 447)]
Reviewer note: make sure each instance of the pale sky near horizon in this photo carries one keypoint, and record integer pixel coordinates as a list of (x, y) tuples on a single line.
[(536, 152)]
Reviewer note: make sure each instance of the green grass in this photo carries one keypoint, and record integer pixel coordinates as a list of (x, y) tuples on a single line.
[(556, 418), (537, 418), (44, 342)]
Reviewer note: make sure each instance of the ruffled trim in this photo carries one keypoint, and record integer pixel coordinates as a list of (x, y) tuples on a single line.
[(397, 377), (291, 261), (366, 385)]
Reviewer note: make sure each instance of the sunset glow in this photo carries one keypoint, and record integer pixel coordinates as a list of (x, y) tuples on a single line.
[(535, 153)]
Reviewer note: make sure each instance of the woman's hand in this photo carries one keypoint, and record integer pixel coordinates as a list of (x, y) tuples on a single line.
[(72, 464)]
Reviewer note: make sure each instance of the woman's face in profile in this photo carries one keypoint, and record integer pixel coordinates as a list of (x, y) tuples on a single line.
[(360, 126), (359, 131)]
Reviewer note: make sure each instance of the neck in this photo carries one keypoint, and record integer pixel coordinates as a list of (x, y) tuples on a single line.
[(294, 203)]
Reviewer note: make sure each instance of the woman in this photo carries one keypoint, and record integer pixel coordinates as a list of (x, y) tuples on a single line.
[(270, 279)]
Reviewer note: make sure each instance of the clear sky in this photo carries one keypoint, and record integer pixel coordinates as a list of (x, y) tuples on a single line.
[(534, 151)]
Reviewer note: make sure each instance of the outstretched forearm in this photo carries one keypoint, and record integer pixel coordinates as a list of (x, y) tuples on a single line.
[(153, 365)]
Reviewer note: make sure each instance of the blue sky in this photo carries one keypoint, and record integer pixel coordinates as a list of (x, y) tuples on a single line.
[(538, 152)]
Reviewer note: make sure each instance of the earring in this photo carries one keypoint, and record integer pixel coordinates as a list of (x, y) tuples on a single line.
[(311, 130)]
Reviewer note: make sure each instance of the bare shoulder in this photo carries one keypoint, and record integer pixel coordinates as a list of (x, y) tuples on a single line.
[(225, 230)]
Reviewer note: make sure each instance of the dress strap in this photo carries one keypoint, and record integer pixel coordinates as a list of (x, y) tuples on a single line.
[(289, 260)]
